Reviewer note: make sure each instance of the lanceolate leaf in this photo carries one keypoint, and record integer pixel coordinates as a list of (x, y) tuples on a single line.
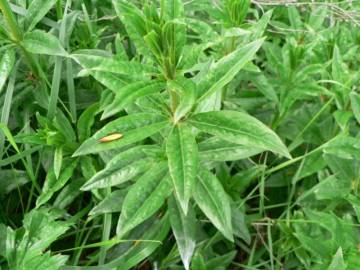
[(122, 175), (36, 11), (6, 64), (122, 167), (112, 203), (130, 93), (134, 128), (92, 62), (186, 90), (184, 229), (134, 22), (181, 150), (172, 9), (144, 198), (213, 201), (85, 122), (53, 184), (226, 69), (221, 150), (58, 156), (355, 105), (40, 42), (11, 179), (240, 128), (344, 147)]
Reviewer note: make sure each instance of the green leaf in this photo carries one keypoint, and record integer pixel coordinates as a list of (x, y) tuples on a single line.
[(135, 23), (41, 228), (36, 11), (52, 184), (40, 42), (172, 9), (344, 147), (186, 90), (259, 27), (68, 194), (3, 232), (220, 150), (153, 41), (4, 129), (112, 203), (130, 93), (198, 262), (91, 60), (144, 198), (6, 64), (212, 199), (184, 229), (266, 88), (337, 70), (240, 128), (174, 39), (133, 128), (226, 68), (355, 104), (182, 153), (63, 125), (122, 167), (221, 262), (85, 122), (11, 179), (338, 262), (58, 156), (330, 188), (150, 239)]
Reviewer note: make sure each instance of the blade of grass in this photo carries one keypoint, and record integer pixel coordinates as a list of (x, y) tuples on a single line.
[(71, 87), (55, 85), (105, 233), (7, 106)]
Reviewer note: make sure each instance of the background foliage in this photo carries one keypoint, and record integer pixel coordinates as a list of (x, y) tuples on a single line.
[(179, 134)]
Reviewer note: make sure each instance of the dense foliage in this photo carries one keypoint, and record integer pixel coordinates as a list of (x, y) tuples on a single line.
[(179, 134)]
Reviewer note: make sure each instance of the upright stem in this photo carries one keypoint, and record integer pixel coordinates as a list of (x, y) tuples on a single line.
[(59, 11), (10, 20)]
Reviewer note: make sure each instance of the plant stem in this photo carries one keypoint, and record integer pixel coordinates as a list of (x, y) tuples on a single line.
[(59, 12)]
